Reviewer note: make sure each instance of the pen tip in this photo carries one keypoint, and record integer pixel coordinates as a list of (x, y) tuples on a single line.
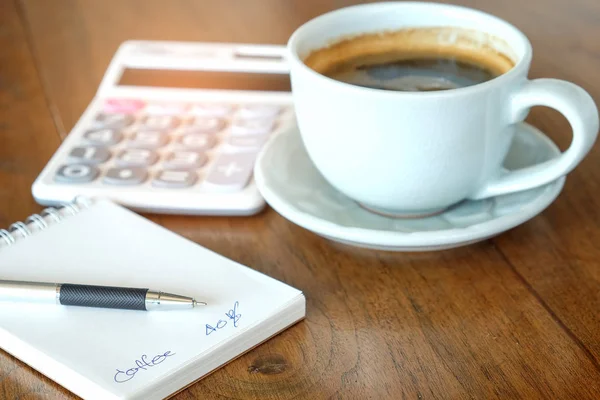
[(199, 303)]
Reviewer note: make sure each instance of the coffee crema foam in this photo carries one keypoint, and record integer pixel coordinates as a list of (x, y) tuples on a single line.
[(411, 59)]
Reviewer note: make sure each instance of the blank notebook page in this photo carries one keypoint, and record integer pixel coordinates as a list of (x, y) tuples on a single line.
[(102, 349)]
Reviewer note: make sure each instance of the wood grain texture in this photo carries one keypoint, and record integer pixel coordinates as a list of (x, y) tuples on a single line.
[(513, 317)]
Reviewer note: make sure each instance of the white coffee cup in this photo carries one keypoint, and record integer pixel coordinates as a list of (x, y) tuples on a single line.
[(416, 153)]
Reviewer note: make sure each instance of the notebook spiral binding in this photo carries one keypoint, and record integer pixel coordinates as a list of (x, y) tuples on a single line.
[(41, 221)]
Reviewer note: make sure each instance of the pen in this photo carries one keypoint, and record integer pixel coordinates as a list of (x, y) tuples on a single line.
[(67, 294)]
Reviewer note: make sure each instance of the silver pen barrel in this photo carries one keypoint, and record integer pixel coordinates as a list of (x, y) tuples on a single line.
[(167, 301), (28, 292), (67, 294)]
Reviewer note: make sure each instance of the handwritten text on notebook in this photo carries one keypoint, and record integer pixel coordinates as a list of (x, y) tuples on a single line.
[(232, 314), (142, 364)]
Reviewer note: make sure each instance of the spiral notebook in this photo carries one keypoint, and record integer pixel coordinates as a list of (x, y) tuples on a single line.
[(122, 354)]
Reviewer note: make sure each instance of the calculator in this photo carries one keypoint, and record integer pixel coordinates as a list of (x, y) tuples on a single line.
[(175, 128)]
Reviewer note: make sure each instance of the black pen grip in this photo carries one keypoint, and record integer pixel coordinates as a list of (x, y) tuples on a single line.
[(103, 296)]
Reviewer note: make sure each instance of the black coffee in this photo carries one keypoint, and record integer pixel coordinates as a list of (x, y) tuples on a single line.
[(415, 60), (414, 75)]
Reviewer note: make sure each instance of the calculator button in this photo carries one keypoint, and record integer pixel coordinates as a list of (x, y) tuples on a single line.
[(103, 136), (136, 158), (159, 122), (205, 125), (184, 160), (76, 173), (175, 179), (166, 108), (259, 111), (148, 139), (211, 110), (230, 172), (196, 141), (114, 121), (247, 142), (89, 155), (261, 126), (125, 176), (126, 106)]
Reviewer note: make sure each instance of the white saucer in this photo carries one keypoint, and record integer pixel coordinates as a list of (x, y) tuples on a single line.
[(290, 183)]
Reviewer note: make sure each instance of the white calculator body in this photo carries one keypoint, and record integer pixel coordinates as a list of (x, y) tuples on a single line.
[(175, 127)]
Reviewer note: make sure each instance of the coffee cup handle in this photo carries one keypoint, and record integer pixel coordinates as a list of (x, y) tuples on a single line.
[(579, 109)]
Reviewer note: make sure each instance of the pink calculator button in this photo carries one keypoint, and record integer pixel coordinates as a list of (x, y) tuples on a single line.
[(126, 106)]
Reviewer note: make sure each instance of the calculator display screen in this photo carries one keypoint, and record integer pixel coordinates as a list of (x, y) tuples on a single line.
[(207, 80)]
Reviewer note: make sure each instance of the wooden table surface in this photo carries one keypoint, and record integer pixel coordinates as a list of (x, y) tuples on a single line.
[(512, 317)]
